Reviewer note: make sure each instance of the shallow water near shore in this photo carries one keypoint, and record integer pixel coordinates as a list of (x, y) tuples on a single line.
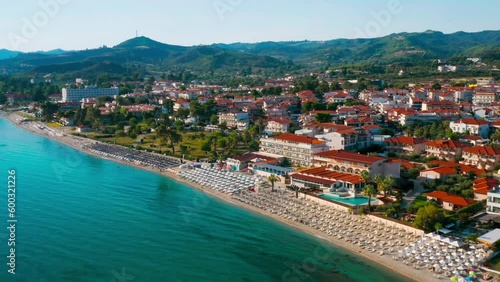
[(82, 218)]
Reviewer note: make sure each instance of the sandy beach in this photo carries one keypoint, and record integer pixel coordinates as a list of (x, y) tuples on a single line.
[(385, 260)]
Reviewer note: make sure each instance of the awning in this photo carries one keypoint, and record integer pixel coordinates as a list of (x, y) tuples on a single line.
[(444, 230)]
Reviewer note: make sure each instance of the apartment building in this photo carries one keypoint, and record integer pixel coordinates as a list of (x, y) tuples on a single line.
[(238, 120), (296, 148), (449, 150), (472, 126), (485, 157), (405, 145), (76, 95)]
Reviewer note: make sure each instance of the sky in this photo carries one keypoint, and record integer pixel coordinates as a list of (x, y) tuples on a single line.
[(33, 25)]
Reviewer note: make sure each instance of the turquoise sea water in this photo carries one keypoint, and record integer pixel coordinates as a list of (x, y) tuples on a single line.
[(82, 218), (348, 201)]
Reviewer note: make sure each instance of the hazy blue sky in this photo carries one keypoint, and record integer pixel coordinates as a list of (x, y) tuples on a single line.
[(78, 24)]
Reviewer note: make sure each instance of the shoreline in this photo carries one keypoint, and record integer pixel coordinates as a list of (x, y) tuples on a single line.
[(383, 261)]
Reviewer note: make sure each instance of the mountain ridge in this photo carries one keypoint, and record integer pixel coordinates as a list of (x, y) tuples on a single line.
[(146, 52)]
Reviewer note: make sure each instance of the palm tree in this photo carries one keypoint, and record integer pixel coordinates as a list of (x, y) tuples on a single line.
[(366, 176), (379, 181), (272, 178), (388, 184), (174, 137), (370, 191)]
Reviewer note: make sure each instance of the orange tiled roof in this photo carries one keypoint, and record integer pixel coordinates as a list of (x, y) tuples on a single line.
[(446, 144), (407, 140), (437, 194), (458, 201), (299, 139), (442, 170), (483, 150), (349, 156), (327, 176), (472, 121)]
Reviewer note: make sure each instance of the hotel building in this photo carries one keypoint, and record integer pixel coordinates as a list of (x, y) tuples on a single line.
[(298, 149), (76, 95)]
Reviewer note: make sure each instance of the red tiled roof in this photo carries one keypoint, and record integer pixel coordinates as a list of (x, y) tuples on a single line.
[(450, 198), (298, 139), (326, 175), (458, 201), (349, 156), (305, 93), (407, 140), (405, 163), (438, 194), (313, 179), (483, 150), (472, 121), (446, 144), (442, 170)]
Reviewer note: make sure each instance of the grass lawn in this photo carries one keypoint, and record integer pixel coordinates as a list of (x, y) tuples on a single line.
[(53, 124), (419, 202), (494, 263), (189, 139)]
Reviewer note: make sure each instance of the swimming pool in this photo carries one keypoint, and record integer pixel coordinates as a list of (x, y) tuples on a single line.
[(359, 200)]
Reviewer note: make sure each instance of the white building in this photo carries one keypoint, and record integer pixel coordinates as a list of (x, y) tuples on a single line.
[(350, 139), (76, 95), (240, 120), (483, 98), (493, 203), (472, 126), (298, 149)]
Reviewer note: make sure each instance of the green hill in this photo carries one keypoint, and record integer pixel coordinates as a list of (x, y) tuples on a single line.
[(142, 52)]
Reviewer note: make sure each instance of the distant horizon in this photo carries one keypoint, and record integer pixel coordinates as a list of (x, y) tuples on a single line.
[(35, 25), (239, 42)]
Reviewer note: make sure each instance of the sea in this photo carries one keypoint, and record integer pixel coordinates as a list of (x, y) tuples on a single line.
[(74, 217)]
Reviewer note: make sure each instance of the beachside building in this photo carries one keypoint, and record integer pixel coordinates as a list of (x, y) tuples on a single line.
[(472, 126), (448, 201), (493, 203), (265, 170), (349, 162), (244, 161), (485, 157), (327, 180), (449, 150), (405, 145), (76, 95), (296, 148)]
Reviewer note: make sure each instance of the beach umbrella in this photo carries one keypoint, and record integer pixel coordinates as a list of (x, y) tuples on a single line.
[(472, 274), (469, 278), (454, 279)]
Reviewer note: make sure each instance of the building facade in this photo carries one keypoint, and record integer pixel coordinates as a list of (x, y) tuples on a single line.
[(472, 126), (240, 120), (349, 162), (485, 157), (76, 95), (298, 149)]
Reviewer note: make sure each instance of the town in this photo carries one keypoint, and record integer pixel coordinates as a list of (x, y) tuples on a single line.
[(425, 155)]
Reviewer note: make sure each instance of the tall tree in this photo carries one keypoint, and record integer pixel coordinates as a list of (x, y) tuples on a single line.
[(272, 178), (48, 110), (369, 191)]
